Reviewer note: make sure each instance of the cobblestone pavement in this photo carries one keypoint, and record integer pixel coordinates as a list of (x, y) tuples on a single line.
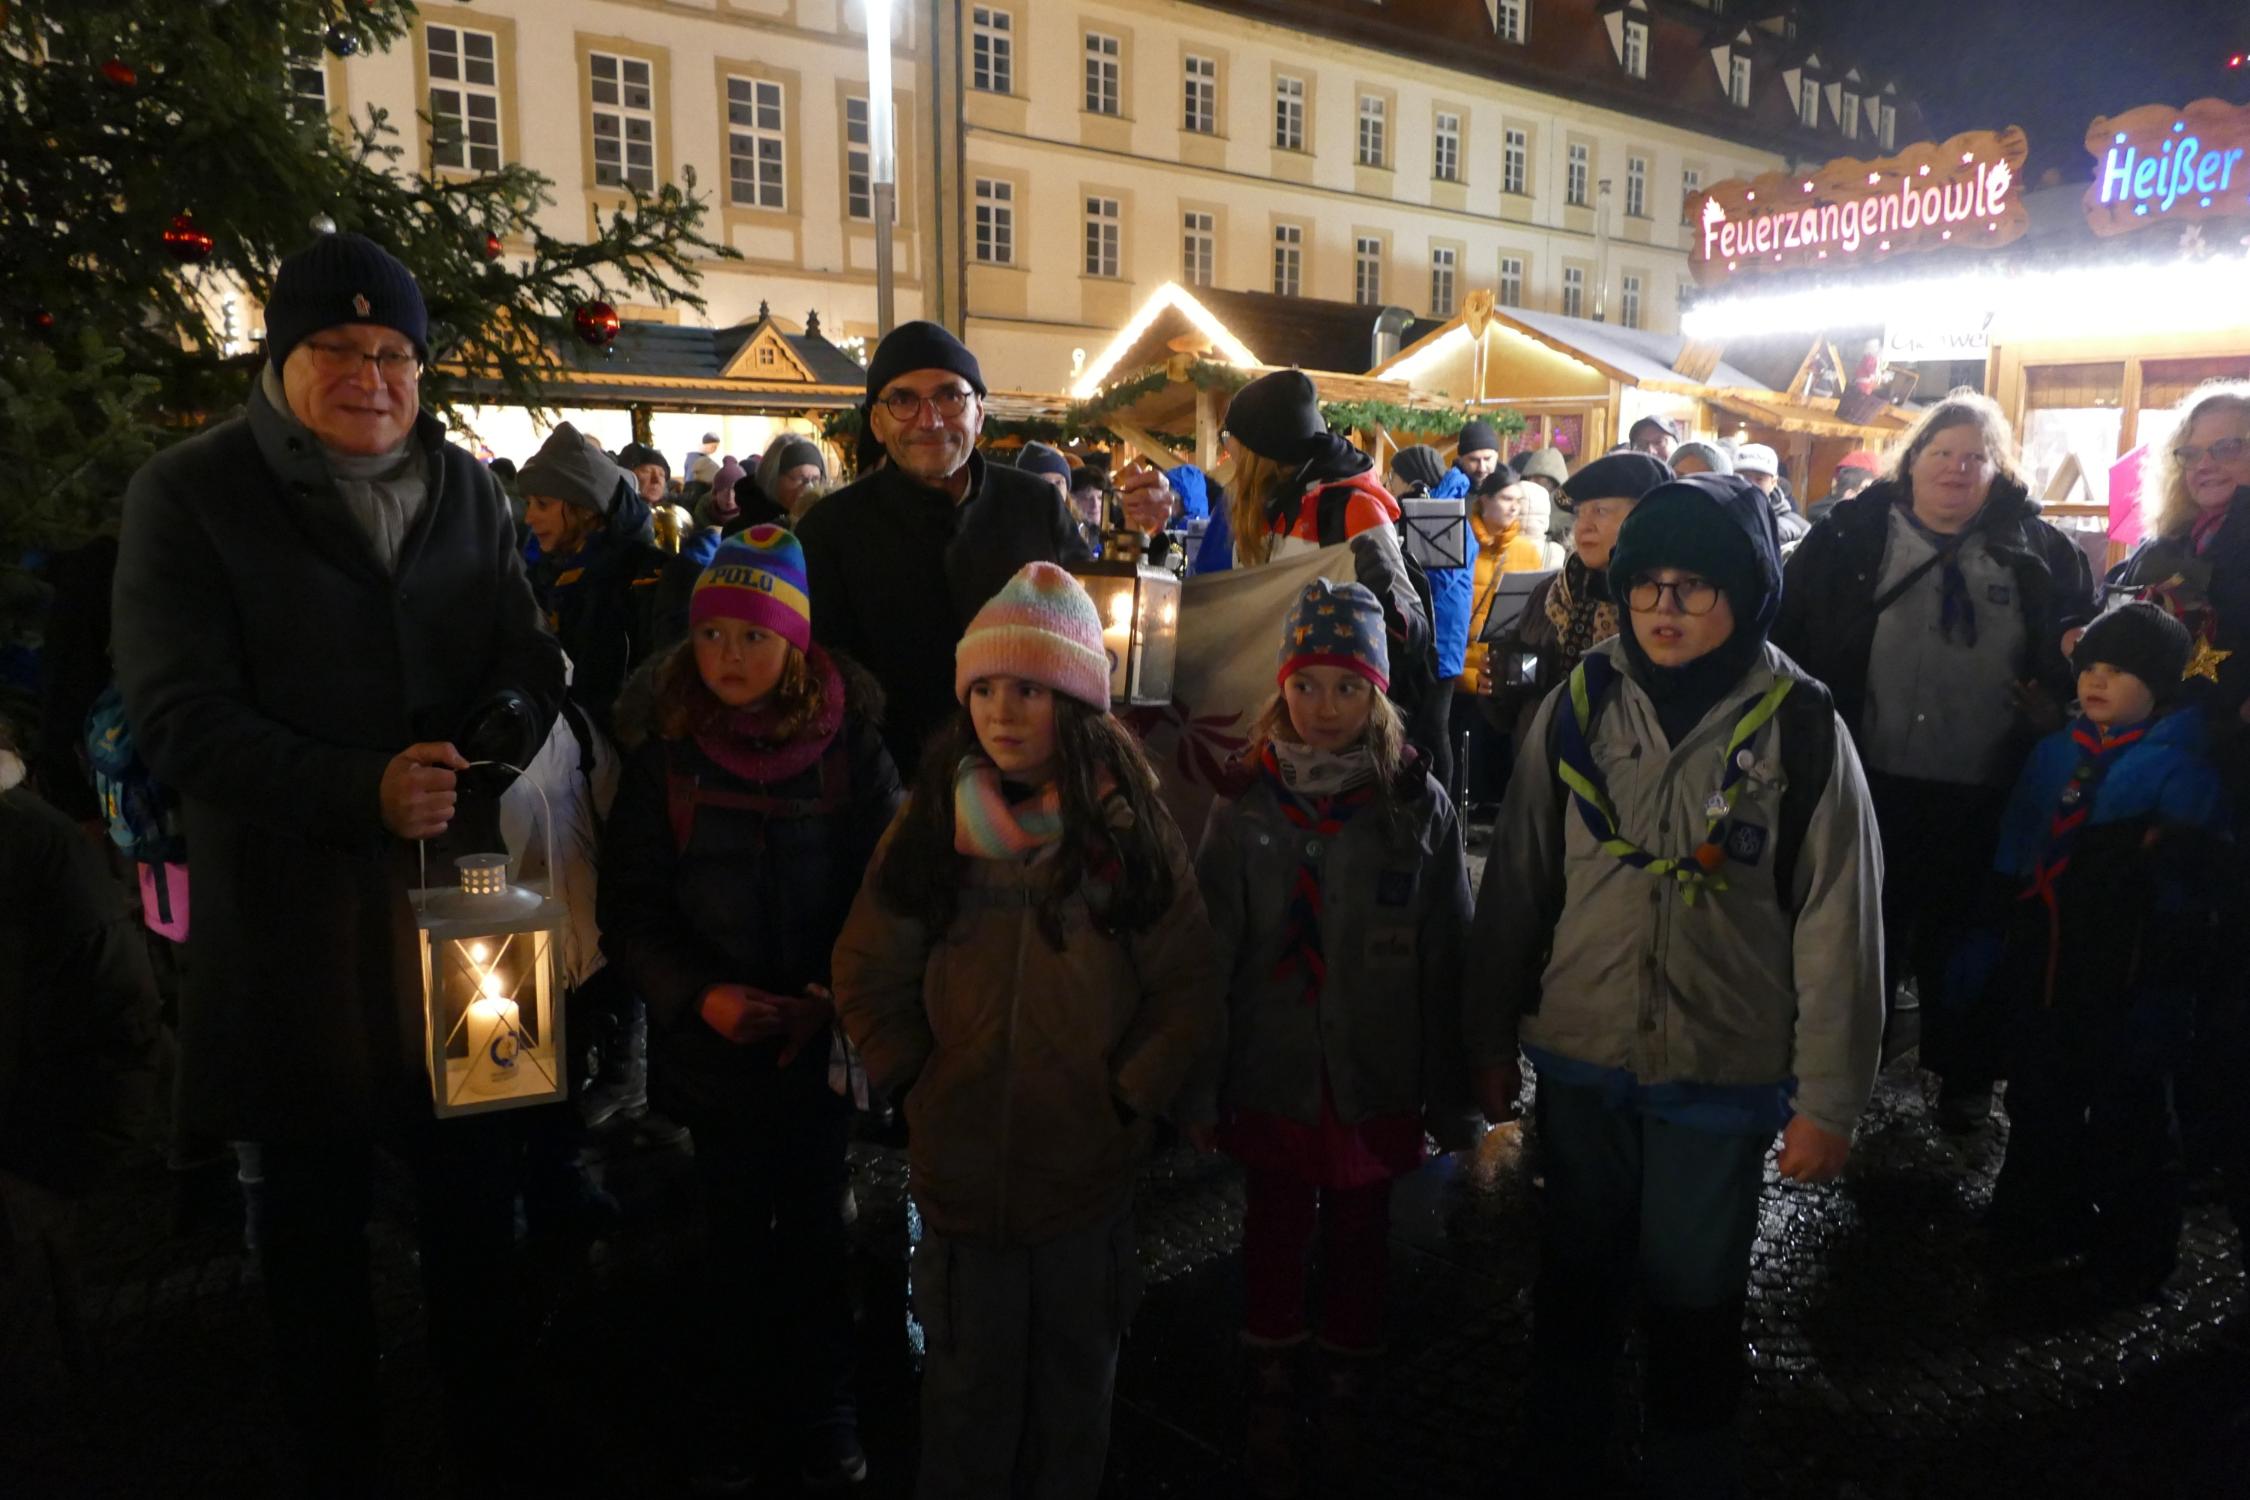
[(1883, 1364)]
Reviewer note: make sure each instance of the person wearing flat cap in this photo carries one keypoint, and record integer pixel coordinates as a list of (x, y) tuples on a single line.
[(1568, 614), (901, 559), (1680, 933), (320, 619), (1756, 462), (1654, 436), (598, 576)]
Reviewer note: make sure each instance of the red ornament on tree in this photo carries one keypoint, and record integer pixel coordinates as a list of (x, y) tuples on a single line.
[(120, 73), (41, 321), (186, 240), (597, 323), (492, 247)]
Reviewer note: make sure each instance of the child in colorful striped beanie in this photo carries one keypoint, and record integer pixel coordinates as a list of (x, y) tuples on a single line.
[(1030, 954), (1343, 1031), (733, 853)]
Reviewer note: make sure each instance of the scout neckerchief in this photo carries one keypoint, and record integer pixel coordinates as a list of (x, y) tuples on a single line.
[(2097, 753), (1324, 818), (1699, 871)]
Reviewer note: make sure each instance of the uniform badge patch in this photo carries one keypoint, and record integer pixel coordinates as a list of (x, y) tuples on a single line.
[(1394, 888), (1745, 842)]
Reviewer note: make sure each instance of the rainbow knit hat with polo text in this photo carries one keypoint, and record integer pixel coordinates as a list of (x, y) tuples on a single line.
[(759, 577), (1043, 628)]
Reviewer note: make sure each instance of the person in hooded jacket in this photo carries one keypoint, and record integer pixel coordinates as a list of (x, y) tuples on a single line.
[(1934, 606), (598, 575), (1417, 471), (712, 515), (1687, 948), (792, 476), (1567, 615)]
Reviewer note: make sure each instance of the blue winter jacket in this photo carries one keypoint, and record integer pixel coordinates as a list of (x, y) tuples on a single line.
[(1453, 590), (2165, 778)]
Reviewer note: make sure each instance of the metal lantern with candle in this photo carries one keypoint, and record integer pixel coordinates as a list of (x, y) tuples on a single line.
[(491, 1000), (1140, 609)]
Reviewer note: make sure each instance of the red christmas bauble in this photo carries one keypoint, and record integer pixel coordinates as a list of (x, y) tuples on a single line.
[(597, 323), (492, 247), (186, 240), (41, 321), (120, 73)]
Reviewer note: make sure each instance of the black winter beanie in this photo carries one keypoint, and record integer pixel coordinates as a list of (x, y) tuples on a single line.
[(920, 345), (2140, 638), (340, 279), (1277, 416), (1477, 436), (1420, 465), (1697, 525)]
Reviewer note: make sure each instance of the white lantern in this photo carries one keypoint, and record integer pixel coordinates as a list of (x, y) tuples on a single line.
[(491, 1004), (1140, 611)]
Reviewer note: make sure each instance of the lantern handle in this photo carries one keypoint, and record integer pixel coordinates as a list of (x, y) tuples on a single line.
[(547, 818)]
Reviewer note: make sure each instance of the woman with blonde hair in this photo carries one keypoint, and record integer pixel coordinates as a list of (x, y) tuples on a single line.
[(1934, 604)]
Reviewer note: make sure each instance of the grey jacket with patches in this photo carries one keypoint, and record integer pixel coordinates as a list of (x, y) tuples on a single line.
[(1578, 953)]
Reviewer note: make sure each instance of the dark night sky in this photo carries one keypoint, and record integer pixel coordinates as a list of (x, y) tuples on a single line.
[(2050, 66)]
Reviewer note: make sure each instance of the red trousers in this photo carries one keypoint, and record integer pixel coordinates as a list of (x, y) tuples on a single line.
[(1277, 1230)]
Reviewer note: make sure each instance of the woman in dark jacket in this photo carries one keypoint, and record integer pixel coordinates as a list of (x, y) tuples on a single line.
[(1933, 605), (736, 846)]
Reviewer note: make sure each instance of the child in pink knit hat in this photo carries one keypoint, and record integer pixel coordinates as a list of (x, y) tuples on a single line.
[(1030, 955)]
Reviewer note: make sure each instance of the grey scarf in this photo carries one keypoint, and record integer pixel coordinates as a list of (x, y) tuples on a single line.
[(383, 492)]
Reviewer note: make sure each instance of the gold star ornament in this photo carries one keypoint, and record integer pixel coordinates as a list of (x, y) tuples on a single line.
[(2205, 662)]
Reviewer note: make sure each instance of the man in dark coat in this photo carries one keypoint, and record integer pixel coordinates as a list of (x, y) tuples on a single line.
[(320, 619), (901, 559)]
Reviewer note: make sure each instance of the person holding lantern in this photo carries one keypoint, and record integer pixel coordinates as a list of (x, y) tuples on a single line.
[(320, 620)]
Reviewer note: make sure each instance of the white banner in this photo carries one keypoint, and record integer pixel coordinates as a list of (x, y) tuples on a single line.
[(1906, 343)]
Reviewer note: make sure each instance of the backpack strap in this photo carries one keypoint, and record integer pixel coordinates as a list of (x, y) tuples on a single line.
[(1808, 759)]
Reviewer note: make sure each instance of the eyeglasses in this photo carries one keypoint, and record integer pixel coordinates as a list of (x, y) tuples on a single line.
[(2224, 451), (1692, 596), (905, 406), (345, 359)]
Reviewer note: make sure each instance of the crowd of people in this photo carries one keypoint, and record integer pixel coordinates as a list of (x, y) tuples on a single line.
[(857, 830)]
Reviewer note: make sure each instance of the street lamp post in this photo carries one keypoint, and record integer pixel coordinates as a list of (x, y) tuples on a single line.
[(882, 157)]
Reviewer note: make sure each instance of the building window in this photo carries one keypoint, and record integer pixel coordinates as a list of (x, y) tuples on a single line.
[(1579, 165), (755, 143), (1200, 95), (1511, 281), (1199, 245), (1636, 49), (1738, 80), (1691, 183), (308, 80), (1515, 161), (1509, 20), (992, 50), (1289, 114), (1444, 261), (859, 177), (1808, 104), (1288, 259), (1629, 302), (1890, 127), (1102, 230), (1374, 131), (624, 122), (1851, 117), (1102, 74), (1367, 271), (996, 221), (464, 97), (1445, 148), (1636, 187), (1574, 291)]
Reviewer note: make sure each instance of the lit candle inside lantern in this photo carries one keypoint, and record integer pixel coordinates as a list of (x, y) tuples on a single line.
[(1117, 640), (494, 1037)]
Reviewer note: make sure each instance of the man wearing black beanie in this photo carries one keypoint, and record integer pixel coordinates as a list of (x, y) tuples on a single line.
[(1679, 931)]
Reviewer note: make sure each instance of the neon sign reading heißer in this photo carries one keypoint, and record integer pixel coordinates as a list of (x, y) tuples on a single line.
[(2160, 165), (1966, 192)]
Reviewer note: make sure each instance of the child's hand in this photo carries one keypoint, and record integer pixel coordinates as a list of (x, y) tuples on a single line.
[(1497, 1086), (1811, 1154), (807, 1017), (743, 1014)]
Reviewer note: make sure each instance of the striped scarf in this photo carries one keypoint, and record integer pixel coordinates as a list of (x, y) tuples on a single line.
[(986, 825), (2097, 753), (1324, 818)]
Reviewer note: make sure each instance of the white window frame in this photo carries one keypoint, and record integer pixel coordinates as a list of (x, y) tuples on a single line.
[(1445, 146), (1578, 171), (1510, 293), (1105, 237), (1636, 48), (1199, 246), (1515, 161), (1738, 80), (475, 101), (995, 243), (1445, 280), (306, 74), (1105, 74), (1851, 117), (1508, 19), (1629, 301), (859, 164), (1574, 291), (1288, 112), (1808, 102), (1199, 95), (1636, 187), (1367, 270), (992, 50), (1691, 183), (1889, 132), (1374, 131), (1289, 260), (615, 118), (757, 137)]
